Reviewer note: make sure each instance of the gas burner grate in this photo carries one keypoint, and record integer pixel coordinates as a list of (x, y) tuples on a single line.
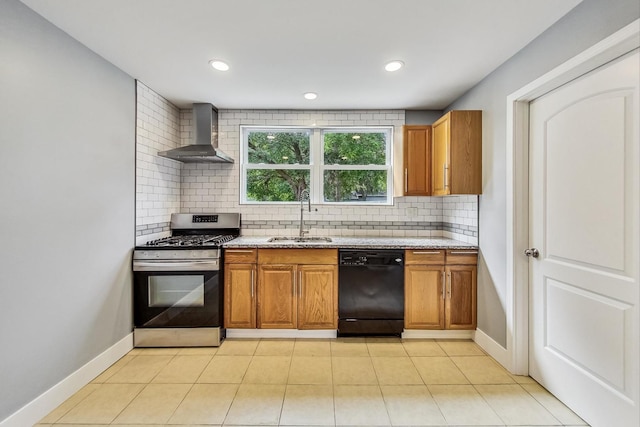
[(192, 240)]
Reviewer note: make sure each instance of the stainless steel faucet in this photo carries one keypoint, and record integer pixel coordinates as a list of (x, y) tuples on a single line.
[(304, 195)]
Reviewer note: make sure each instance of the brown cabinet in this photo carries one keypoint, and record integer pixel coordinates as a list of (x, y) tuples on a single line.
[(460, 302), (294, 289), (456, 154), (440, 289), (240, 288), (417, 160), (277, 302), (317, 296)]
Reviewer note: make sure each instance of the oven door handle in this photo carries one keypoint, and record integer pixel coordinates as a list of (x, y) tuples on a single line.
[(195, 265)]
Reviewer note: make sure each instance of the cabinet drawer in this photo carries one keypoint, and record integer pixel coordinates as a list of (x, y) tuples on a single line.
[(298, 256), (240, 255), (462, 256), (424, 256)]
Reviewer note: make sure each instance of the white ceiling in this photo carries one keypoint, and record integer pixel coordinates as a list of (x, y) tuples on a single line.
[(279, 49)]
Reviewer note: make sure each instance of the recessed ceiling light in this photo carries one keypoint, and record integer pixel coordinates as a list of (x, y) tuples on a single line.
[(394, 65), (310, 95), (219, 65)]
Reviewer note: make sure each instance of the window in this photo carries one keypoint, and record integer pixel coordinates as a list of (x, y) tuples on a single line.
[(336, 165)]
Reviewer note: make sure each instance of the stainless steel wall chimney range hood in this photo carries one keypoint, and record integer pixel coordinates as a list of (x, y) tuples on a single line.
[(205, 139)]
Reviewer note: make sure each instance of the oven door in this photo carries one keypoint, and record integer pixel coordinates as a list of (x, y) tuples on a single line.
[(177, 299)]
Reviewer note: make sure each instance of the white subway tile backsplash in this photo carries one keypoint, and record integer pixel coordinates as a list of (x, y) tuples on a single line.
[(166, 186), (158, 179)]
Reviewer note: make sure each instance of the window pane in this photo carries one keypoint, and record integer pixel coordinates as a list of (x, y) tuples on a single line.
[(278, 147), (355, 186), (276, 185), (355, 148)]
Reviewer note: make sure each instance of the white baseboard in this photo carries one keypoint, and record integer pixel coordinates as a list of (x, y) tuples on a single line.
[(280, 333), (437, 334), (38, 408), (332, 333), (493, 349)]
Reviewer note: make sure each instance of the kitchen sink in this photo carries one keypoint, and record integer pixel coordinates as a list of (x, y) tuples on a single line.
[(300, 239)]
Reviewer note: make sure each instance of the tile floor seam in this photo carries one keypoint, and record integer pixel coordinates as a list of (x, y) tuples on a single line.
[(523, 389), (226, 414), (418, 371), (181, 401), (379, 387), (196, 381), (437, 404), (489, 404), (126, 406), (547, 409), (71, 408)]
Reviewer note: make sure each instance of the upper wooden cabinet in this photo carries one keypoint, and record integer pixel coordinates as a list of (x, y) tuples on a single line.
[(456, 155), (417, 160)]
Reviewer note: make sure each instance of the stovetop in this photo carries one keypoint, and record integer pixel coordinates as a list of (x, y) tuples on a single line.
[(190, 241), (200, 231)]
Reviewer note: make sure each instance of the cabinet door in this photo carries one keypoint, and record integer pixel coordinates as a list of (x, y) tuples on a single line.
[(317, 296), (424, 299), (239, 296), (460, 304), (440, 156), (277, 308), (417, 160)]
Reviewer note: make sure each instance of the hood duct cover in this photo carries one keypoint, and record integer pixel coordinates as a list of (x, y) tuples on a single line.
[(205, 139)]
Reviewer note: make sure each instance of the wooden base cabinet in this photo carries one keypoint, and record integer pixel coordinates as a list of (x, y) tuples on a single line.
[(277, 302), (297, 289), (424, 304), (240, 288), (318, 297), (460, 301), (440, 289)]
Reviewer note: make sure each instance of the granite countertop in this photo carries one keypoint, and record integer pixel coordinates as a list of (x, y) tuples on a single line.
[(355, 242)]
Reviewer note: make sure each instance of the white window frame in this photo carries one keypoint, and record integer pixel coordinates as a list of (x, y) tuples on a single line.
[(316, 164)]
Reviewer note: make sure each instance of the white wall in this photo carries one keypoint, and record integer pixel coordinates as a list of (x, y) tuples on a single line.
[(590, 22), (67, 205)]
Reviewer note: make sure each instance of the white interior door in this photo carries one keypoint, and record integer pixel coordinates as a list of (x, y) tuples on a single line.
[(584, 221)]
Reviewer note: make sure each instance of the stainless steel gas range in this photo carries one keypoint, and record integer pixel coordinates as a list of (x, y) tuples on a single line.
[(178, 288)]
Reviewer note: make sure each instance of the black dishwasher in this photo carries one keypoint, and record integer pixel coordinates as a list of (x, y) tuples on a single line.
[(370, 292)]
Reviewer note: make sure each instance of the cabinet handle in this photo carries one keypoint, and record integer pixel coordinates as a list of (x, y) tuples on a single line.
[(295, 284), (406, 180), (444, 284), (252, 282), (464, 252), (445, 180), (425, 252), (238, 251)]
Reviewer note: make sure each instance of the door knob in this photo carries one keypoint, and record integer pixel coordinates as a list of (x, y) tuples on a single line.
[(532, 252)]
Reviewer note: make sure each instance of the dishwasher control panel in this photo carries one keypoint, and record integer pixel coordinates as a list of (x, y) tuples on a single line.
[(371, 257)]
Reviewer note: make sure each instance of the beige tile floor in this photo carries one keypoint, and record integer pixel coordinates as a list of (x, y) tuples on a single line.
[(340, 382)]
